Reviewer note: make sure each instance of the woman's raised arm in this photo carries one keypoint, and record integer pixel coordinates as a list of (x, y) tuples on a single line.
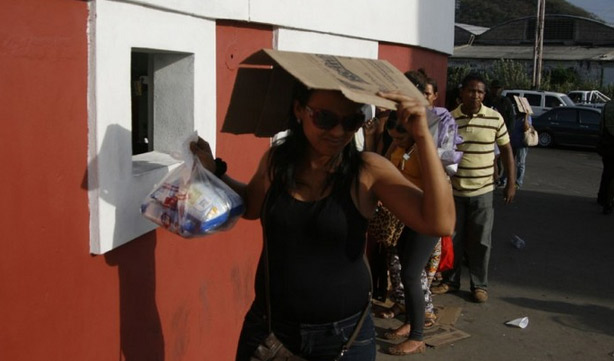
[(430, 210)]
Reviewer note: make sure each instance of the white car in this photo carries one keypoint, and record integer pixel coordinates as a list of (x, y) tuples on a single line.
[(589, 98), (540, 101)]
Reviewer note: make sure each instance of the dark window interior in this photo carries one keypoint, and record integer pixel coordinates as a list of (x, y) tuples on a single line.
[(534, 99), (142, 126), (553, 101)]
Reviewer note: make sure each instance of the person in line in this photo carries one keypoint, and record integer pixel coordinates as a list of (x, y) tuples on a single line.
[(377, 249), (320, 191), (431, 92), (605, 148), (504, 106), (519, 148), (447, 126), (384, 252), (414, 248), (444, 131), (473, 185)]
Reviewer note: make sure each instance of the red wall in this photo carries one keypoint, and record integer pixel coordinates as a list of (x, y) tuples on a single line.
[(159, 297), (408, 58), (48, 280)]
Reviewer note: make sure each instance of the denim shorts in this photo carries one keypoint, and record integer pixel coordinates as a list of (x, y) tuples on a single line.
[(321, 342)]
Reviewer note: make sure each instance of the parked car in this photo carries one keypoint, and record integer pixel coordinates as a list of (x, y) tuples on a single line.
[(578, 126), (589, 98), (540, 101)]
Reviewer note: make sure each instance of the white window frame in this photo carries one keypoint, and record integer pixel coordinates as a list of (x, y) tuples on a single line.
[(117, 185)]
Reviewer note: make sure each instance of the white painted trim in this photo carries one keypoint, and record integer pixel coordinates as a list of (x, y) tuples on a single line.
[(424, 23), (320, 43), (115, 192), (427, 24)]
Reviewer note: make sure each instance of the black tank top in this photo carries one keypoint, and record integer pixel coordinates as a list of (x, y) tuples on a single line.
[(317, 271)]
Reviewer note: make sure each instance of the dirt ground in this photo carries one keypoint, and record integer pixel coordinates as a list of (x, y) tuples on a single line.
[(561, 280)]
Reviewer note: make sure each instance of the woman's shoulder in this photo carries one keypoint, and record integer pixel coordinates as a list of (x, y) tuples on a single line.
[(375, 165), (370, 158)]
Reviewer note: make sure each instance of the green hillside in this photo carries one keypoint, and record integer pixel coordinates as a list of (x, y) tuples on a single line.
[(494, 12)]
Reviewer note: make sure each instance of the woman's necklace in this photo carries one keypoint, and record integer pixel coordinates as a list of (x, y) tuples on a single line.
[(406, 156)]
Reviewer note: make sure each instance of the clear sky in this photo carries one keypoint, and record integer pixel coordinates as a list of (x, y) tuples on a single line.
[(602, 8)]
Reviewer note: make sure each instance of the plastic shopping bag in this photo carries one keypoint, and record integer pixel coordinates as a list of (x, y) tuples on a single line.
[(191, 201)]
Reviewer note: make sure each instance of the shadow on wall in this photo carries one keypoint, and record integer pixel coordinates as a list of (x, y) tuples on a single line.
[(141, 337)]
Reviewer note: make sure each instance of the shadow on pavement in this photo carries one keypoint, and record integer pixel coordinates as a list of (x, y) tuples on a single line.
[(568, 245)]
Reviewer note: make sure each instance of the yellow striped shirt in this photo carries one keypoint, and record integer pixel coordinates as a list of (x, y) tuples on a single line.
[(480, 131)]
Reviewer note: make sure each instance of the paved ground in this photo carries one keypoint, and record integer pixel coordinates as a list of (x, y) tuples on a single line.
[(562, 280)]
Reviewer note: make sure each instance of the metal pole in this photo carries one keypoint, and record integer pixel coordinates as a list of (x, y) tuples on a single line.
[(539, 44)]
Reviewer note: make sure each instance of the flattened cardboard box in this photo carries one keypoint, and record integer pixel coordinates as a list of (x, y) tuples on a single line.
[(522, 104), (262, 94), (444, 334)]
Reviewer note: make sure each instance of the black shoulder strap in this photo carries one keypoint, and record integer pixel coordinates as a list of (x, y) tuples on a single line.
[(265, 255), (363, 316)]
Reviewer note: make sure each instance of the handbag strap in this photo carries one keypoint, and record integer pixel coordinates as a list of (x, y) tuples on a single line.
[(267, 289), (527, 126), (267, 277), (363, 316)]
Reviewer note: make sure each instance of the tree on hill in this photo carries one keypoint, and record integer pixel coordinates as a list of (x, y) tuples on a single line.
[(495, 12)]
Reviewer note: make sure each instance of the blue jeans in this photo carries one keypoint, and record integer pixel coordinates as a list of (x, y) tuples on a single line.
[(319, 342), (520, 159)]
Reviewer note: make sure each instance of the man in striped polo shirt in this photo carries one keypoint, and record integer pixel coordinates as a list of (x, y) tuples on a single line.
[(480, 127)]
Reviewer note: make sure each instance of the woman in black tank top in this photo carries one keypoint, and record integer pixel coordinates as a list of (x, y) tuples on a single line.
[(319, 193)]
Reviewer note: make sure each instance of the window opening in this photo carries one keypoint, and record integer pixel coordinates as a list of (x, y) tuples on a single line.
[(142, 122), (162, 102)]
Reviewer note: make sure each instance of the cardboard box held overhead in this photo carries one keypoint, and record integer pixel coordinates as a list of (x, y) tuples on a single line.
[(522, 104), (262, 95)]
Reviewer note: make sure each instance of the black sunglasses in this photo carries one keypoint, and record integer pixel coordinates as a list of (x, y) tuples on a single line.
[(327, 120), (392, 124)]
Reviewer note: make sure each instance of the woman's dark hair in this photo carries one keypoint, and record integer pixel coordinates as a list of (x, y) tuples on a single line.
[(433, 83), (289, 151), (418, 78)]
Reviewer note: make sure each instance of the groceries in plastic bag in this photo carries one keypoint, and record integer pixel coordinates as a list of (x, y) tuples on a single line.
[(191, 201), (446, 138)]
